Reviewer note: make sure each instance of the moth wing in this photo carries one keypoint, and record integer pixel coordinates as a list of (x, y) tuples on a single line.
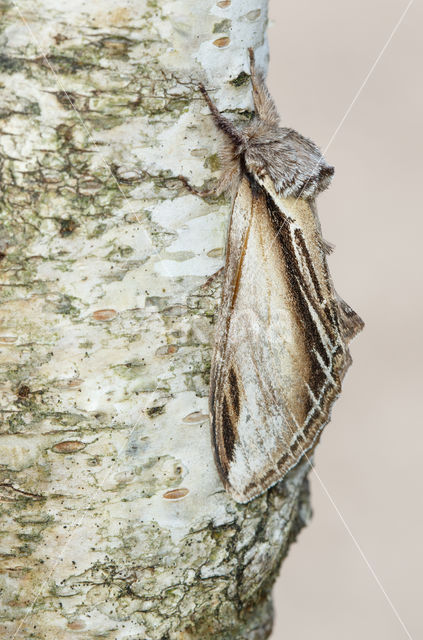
[(350, 321), (280, 354)]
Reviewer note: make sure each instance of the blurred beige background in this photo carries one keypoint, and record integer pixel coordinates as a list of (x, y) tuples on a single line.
[(370, 457)]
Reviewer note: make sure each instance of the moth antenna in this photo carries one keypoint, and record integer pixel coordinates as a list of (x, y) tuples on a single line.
[(264, 106), (223, 123)]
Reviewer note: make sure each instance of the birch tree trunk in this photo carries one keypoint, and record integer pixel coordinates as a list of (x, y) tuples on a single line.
[(114, 521)]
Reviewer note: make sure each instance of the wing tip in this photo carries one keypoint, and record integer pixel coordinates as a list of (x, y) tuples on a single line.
[(351, 323)]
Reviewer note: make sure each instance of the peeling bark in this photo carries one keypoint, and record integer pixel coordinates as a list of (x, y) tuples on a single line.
[(114, 523)]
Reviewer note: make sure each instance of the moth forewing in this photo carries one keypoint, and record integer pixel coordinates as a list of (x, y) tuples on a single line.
[(224, 419), (279, 356)]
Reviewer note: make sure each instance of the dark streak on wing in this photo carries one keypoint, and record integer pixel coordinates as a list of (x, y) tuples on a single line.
[(234, 389), (302, 246), (329, 318), (313, 338), (228, 431)]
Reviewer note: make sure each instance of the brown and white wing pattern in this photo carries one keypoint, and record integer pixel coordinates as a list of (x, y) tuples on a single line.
[(280, 352)]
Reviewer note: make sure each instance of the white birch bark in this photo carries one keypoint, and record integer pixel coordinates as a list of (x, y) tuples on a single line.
[(114, 523)]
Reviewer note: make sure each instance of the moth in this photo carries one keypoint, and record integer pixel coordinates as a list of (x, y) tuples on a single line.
[(282, 332)]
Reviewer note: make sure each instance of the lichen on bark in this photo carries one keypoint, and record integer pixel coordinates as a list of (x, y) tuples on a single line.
[(114, 521)]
